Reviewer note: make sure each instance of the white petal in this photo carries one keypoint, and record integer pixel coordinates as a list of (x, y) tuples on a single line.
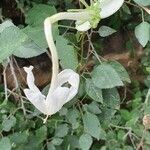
[(33, 93), (109, 7), (72, 77), (83, 26), (56, 100), (30, 79), (37, 99), (62, 95)]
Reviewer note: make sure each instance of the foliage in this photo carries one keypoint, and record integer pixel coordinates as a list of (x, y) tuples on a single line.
[(107, 113)]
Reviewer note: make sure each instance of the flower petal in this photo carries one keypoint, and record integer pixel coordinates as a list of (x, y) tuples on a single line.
[(30, 79), (37, 99), (56, 100), (109, 7), (83, 26), (33, 93), (61, 95), (72, 78)]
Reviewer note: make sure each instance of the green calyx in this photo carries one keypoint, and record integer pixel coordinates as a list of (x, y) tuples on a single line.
[(94, 11)]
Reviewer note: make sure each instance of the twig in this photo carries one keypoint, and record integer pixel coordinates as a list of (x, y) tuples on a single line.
[(5, 83)]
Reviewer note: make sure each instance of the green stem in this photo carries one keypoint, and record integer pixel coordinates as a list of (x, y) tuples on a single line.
[(147, 97), (84, 3), (49, 37)]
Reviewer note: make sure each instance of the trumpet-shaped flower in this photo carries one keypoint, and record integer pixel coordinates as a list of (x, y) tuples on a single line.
[(60, 95), (100, 9)]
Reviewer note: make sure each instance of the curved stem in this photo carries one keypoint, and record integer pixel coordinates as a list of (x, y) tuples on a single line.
[(49, 37)]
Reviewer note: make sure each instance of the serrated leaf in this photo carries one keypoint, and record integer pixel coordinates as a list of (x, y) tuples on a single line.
[(67, 54), (126, 9), (5, 143), (28, 49), (142, 33), (91, 125), (121, 71), (41, 134), (5, 24), (50, 146), (93, 108), (8, 123), (57, 141), (35, 29), (38, 13), (105, 31), (72, 116), (85, 141), (73, 141), (19, 138), (93, 92), (10, 39), (106, 115), (61, 130), (111, 98), (142, 2), (104, 76), (36, 34)]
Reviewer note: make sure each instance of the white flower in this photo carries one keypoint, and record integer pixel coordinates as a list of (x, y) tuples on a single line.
[(58, 97), (59, 94), (109, 7), (106, 9), (83, 26)]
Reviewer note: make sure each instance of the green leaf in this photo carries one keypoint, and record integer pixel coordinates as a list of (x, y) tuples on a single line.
[(5, 144), (35, 29), (142, 33), (93, 92), (50, 146), (5, 25), (28, 49), (142, 2), (36, 15), (85, 141), (61, 130), (91, 125), (126, 9), (111, 98), (8, 123), (10, 39), (67, 54), (104, 76), (57, 141), (121, 71), (37, 35), (73, 142), (107, 115), (93, 108), (125, 114), (19, 138), (105, 31), (72, 116), (82, 91), (41, 134), (63, 111)]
